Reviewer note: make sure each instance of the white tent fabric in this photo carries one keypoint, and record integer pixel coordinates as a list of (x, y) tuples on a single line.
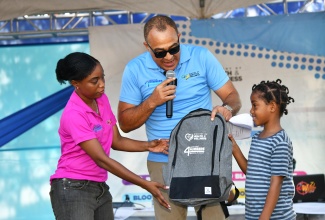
[(10, 9)]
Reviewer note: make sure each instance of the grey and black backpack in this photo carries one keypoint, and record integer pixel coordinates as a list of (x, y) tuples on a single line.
[(199, 169)]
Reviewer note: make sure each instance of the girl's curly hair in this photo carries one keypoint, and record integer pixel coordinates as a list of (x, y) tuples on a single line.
[(274, 91)]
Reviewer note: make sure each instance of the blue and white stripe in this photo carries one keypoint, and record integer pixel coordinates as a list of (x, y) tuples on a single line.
[(268, 157)]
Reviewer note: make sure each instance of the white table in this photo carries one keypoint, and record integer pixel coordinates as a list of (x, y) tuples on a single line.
[(309, 208)]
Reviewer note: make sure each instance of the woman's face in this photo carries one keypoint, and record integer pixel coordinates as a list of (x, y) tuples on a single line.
[(93, 86)]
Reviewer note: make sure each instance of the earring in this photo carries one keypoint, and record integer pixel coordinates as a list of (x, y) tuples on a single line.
[(77, 87)]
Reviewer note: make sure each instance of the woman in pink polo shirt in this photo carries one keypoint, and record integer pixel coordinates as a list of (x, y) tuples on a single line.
[(87, 132)]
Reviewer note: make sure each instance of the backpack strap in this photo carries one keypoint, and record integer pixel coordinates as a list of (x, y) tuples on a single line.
[(229, 203), (224, 209), (199, 212), (223, 206)]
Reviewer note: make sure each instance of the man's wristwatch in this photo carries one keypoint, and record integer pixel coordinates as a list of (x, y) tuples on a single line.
[(227, 107)]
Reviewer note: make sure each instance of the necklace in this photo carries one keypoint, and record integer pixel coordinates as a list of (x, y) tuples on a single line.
[(96, 107)]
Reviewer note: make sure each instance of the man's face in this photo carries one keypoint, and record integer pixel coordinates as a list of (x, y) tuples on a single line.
[(160, 42)]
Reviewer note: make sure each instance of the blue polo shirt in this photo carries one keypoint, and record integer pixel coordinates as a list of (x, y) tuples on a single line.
[(198, 72)]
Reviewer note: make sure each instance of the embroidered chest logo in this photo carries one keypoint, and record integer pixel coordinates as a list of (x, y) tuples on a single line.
[(189, 75), (97, 128), (153, 83)]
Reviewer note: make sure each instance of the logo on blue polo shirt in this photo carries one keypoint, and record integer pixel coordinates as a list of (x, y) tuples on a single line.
[(153, 82), (189, 75), (97, 128)]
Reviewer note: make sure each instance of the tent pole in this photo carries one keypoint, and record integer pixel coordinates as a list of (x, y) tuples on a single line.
[(202, 5), (285, 7)]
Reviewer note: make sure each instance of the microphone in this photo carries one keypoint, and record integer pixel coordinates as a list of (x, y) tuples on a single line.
[(169, 104)]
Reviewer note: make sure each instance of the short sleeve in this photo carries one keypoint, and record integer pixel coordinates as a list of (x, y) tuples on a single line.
[(280, 159), (130, 91), (78, 126), (216, 75)]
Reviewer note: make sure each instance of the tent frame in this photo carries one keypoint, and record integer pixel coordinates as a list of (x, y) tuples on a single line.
[(74, 24)]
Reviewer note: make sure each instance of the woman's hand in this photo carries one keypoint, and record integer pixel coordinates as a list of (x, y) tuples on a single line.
[(154, 189), (159, 146)]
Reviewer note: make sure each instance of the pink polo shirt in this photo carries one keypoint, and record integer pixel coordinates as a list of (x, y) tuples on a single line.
[(80, 123)]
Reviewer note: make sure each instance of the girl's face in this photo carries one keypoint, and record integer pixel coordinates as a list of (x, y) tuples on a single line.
[(93, 86), (260, 109)]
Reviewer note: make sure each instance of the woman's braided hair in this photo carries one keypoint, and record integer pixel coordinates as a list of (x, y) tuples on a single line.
[(274, 91)]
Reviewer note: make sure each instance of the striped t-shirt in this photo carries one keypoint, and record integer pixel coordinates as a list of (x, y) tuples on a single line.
[(271, 156)]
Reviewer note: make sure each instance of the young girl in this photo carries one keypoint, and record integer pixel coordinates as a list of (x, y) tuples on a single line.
[(87, 132), (269, 188)]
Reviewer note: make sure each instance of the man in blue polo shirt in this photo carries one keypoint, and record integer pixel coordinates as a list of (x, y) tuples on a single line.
[(145, 91)]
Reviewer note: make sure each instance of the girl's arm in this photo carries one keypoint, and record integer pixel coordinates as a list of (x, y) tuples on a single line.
[(238, 155), (272, 197), (126, 144), (94, 149)]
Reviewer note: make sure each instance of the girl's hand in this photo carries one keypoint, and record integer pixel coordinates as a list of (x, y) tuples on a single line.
[(159, 146), (234, 144), (239, 156), (231, 137), (154, 189)]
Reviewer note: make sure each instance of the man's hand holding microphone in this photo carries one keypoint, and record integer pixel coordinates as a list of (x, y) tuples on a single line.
[(165, 93), (170, 74)]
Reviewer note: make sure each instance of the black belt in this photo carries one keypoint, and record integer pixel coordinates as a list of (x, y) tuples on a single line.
[(80, 181)]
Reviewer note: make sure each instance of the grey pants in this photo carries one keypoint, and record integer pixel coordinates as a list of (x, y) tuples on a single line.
[(81, 200)]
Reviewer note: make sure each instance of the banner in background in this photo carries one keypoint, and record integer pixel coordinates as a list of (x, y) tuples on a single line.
[(19, 122)]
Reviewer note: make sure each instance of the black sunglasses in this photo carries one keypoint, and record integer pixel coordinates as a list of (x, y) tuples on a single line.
[(162, 54)]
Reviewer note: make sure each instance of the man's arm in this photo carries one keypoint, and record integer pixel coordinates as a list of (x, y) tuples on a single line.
[(229, 96), (131, 117)]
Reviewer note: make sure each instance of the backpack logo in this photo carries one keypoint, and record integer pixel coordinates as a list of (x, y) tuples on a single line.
[(207, 191), (196, 136), (194, 150), (189, 137)]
